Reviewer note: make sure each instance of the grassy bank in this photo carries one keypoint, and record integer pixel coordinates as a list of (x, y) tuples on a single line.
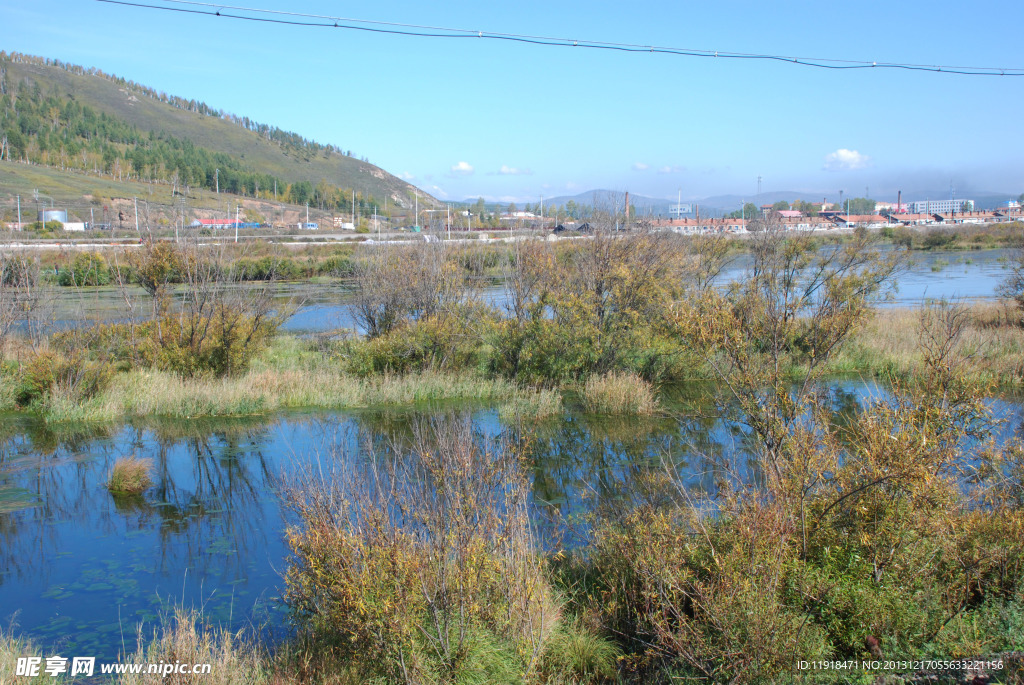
[(293, 373), (145, 393), (887, 346)]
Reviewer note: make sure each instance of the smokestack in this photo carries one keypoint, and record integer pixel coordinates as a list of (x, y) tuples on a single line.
[(627, 206), (899, 201)]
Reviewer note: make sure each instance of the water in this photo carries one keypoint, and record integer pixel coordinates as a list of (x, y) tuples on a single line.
[(970, 275), (80, 569)]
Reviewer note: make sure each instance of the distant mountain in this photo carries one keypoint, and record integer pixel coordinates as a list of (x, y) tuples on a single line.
[(614, 198), (106, 119)]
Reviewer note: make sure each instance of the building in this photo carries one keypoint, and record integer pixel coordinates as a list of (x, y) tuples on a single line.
[(941, 206), (865, 220), (970, 218), (695, 225), (892, 208), (912, 219)]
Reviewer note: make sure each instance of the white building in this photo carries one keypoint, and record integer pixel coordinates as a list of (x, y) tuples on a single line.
[(941, 206)]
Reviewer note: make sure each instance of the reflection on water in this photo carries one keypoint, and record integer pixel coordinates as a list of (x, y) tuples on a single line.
[(81, 567)]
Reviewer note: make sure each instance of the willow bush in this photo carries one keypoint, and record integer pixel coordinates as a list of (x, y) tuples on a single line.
[(419, 566)]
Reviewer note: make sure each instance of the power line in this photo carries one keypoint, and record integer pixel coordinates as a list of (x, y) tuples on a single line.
[(269, 16)]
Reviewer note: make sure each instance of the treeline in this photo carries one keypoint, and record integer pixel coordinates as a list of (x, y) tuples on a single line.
[(286, 139), (54, 131)]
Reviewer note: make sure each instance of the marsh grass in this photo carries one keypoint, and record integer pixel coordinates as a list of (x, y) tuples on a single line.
[(13, 648), (532, 406), (619, 393), (130, 476), (886, 347), (185, 638), (157, 393)]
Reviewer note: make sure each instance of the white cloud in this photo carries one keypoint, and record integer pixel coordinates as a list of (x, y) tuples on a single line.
[(439, 191), (513, 171), (671, 169), (846, 160), (462, 169), (640, 166), (406, 175)]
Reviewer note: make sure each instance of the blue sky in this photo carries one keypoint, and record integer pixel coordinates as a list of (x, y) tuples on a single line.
[(467, 118)]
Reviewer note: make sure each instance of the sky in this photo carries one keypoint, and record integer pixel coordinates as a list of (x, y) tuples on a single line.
[(509, 121)]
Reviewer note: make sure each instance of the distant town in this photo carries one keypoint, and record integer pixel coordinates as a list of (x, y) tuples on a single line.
[(798, 216)]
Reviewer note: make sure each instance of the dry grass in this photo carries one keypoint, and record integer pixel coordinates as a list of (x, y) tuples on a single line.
[(542, 404), (13, 648), (619, 393), (157, 393), (130, 476), (888, 345), (233, 658)]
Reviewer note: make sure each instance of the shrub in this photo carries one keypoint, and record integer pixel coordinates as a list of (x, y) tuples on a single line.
[(219, 342), (448, 340), (701, 596), (421, 567), (216, 326), (87, 268), (48, 371), (130, 476)]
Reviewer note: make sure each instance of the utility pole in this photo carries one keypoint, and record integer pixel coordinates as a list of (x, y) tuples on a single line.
[(353, 209), (136, 215), (19, 212), (448, 222), (216, 176), (236, 221)]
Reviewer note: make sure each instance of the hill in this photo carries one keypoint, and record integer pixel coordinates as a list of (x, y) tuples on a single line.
[(246, 157)]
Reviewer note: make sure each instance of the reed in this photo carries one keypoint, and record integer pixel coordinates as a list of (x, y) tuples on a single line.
[(142, 393), (130, 476), (619, 393), (233, 657)]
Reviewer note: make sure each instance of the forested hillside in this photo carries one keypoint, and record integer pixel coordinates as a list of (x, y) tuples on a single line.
[(71, 118)]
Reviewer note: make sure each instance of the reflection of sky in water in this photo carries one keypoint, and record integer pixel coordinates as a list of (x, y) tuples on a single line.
[(82, 567), (935, 275)]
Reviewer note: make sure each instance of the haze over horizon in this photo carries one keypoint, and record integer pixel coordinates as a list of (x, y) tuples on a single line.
[(514, 122)]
